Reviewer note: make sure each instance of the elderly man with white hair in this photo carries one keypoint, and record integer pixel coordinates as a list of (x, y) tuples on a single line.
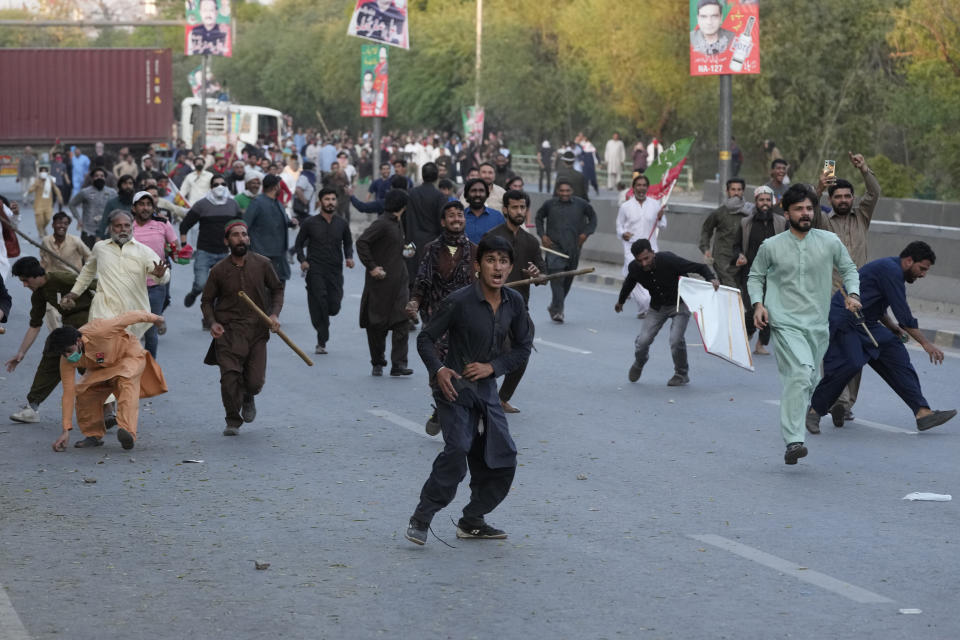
[(252, 182)]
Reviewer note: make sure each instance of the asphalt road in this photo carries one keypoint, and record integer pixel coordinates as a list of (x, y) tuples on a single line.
[(638, 510)]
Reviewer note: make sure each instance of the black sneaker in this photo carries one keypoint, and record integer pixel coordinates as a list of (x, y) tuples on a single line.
[(190, 298), (482, 531), (248, 411), (838, 414), (678, 380), (416, 532), (795, 451), (377, 370), (401, 371), (125, 438), (635, 370), (935, 419)]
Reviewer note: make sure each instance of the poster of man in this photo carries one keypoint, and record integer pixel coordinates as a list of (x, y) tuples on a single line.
[(724, 37), (382, 21), (195, 78), (208, 28), (373, 81)]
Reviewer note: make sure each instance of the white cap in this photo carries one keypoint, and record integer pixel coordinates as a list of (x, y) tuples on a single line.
[(141, 195)]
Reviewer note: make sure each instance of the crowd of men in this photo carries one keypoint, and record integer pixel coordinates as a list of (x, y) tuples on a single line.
[(439, 252)]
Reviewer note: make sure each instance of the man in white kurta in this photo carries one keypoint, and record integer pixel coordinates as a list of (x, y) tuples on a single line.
[(121, 265), (613, 155), (636, 219)]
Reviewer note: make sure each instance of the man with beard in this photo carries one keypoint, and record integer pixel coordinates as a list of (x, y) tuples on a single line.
[(94, 199), (488, 173), (563, 224), (113, 363), (122, 267), (123, 200), (850, 220), (239, 345), (159, 235), (326, 238), (253, 180), (480, 218), (267, 224), (659, 273), (423, 216), (447, 266), (527, 263), (236, 177), (761, 224), (212, 213), (789, 285), (475, 431), (385, 287), (637, 218), (882, 285), (723, 224)]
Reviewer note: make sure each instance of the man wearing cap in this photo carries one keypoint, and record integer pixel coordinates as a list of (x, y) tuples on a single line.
[(44, 191), (122, 266), (764, 222), (573, 177), (159, 235), (240, 335), (236, 177), (267, 225), (211, 212), (252, 182)]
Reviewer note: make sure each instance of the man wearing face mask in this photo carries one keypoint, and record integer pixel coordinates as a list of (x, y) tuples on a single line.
[(44, 191), (123, 200), (636, 219), (761, 224), (114, 363), (723, 224), (197, 183), (122, 266), (212, 212), (93, 199)]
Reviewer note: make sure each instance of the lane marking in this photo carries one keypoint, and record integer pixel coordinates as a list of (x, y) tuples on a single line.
[(355, 295), (11, 627), (822, 580), (400, 421), (562, 347), (867, 423)]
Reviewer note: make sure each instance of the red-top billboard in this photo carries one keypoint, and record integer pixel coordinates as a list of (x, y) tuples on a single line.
[(724, 37)]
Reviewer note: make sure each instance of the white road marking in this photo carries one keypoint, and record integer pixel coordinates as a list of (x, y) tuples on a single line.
[(563, 347), (803, 574), (400, 421), (356, 295), (11, 627), (867, 423)]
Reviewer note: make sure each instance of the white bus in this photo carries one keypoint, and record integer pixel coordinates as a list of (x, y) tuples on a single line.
[(229, 123)]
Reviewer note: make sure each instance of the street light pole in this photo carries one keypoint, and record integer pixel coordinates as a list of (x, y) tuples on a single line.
[(726, 130), (476, 89)]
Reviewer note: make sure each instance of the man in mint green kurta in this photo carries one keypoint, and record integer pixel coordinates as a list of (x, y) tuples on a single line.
[(797, 270)]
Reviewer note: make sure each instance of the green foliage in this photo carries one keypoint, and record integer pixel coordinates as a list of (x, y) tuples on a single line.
[(898, 181)]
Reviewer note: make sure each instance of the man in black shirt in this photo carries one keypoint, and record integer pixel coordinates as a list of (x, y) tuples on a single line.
[(327, 240), (527, 263), (476, 320), (659, 274)]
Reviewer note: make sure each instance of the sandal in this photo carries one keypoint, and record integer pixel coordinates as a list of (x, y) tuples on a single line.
[(162, 328), (89, 441)]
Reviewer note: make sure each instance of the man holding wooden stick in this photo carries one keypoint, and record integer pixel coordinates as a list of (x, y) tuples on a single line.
[(239, 345)]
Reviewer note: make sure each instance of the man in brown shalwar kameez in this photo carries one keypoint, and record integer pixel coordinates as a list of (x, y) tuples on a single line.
[(240, 336), (385, 287)]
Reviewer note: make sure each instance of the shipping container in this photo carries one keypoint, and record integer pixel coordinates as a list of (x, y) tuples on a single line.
[(122, 96)]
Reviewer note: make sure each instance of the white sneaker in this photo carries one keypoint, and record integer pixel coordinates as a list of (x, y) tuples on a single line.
[(26, 414)]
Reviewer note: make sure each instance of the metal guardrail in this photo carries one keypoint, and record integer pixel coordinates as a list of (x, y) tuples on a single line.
[(526, 166)]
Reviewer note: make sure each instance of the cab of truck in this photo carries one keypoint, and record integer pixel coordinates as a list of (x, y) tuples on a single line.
[(229, 123)]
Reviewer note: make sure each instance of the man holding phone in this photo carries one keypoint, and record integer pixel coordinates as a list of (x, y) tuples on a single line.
[(850, 220)]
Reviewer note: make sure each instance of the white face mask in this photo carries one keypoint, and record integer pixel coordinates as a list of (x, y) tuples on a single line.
[(221, 191), (43, 175)]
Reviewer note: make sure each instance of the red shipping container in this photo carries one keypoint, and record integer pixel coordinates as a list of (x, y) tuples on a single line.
[(85, 95)]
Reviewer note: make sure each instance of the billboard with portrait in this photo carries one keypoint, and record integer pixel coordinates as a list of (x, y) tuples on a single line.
[(374, 91), (724, 37), (383, 21), (208, 28)]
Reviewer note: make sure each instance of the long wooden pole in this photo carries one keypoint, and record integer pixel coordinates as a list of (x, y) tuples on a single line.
[(283, 336), (553, 276), (37, 244), (859, 316)]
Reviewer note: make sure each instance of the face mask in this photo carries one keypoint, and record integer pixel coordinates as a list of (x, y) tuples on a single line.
[(75, 356), (221, 191), (99, 183), (43, 175), (734, 203)]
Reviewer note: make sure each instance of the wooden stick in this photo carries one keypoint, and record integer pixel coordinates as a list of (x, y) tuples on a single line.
[(859, 316), (546, 278), (666, 199), (283, 336), (556, 253), (37, 244)]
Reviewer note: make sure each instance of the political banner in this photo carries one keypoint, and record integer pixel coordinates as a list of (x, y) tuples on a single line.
[(383, 21), (724, 37), (374, 93), (195, 78), (208, 28), (473, 124), (663, 173), (719, 318)]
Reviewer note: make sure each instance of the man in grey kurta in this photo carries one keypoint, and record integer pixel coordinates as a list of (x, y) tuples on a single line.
[(797, 268), (723, 224), (563, 224)]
